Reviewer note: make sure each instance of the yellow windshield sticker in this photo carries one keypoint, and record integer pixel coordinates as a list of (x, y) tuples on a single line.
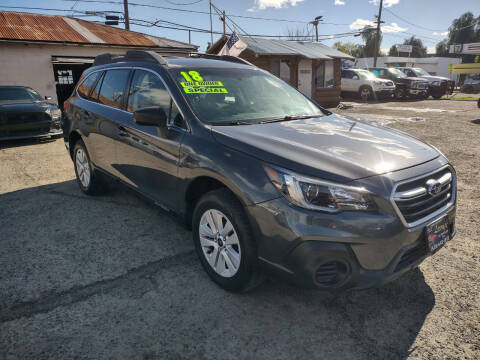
[(205, 90), (194, 84)]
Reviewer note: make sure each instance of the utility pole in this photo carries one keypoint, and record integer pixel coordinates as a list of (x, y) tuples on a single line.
[(211, 26), (125, 14), (377, 39), (223, 19), (315, 24)]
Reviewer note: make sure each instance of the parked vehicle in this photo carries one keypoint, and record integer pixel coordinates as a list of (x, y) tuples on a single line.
[(471, 84), (437, 85), (25, 114), (366, 84), (267, 179), (405, 86)]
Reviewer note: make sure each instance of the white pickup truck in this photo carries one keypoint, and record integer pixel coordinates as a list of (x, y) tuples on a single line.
[(366, 84)]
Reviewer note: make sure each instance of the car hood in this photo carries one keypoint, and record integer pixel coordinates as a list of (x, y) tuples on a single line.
[(331, 147), (22, 106), (434, 78)]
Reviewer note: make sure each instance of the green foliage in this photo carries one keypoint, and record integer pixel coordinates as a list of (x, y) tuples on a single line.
[(349, 48), (418, 50), (393, 51), (369, 35)]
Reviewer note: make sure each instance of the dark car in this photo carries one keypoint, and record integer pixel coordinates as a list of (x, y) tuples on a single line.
[(266, 179), (405, 86), (437, 85), (25, 114)]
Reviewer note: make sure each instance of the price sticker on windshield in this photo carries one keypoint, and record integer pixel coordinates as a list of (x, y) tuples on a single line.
[(195, 84)]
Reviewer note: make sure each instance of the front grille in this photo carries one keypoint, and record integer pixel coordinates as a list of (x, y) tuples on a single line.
[(421, 197), (412, 255), (16, 118), (422, 85)]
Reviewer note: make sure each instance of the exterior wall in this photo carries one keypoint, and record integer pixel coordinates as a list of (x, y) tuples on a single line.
[(31, 64), (331, 97)]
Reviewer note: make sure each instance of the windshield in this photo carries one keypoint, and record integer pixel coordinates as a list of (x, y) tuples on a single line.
[(225, 96), (421, 72), (364, 74), (473, 77), (397, 73), (18, 93)]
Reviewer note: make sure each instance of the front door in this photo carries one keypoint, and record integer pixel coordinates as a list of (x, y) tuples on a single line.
[(147, 156), (305, 77)]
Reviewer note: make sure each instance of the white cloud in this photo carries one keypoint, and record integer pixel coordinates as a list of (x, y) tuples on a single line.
[(431, 50), (392, 28), (361, 23), (386, 3), (277, 4), (441, 34), (339, 2)]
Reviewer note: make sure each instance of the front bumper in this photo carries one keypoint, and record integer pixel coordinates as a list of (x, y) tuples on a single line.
[(381, 92), (418, 92), (351, 249)]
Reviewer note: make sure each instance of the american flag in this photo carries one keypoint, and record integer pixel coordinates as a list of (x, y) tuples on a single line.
[(234, 46)]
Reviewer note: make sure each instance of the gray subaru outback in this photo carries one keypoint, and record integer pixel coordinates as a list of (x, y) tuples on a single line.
[(268, 181)]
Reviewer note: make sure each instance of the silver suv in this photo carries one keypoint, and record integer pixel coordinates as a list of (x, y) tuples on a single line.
[(366, 84)]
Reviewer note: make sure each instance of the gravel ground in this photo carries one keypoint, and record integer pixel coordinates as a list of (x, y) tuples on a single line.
[(114, 277)]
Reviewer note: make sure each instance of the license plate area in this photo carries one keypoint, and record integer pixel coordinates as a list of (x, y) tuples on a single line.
[(437, 234)]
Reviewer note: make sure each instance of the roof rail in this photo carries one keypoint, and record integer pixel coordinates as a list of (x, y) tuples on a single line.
[(230, 58), (131, 55)]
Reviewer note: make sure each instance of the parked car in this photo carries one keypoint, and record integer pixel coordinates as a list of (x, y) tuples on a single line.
[(471, 84), (25, 114), (437, 85), (404, 86), (267, 179), (366, 84)]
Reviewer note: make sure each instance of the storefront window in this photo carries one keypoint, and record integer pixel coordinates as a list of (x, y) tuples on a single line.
[(324, 75)]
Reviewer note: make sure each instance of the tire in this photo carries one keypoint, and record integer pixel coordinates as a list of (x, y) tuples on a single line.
[(437, 96), (87, 179), (400, 94), (365, 92), (238, 275), (468, 90)]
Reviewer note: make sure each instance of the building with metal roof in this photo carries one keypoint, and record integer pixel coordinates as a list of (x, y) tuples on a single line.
[(50, 52), (311, 67)]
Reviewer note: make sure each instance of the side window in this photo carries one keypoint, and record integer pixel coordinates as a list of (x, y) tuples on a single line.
[(96, 91), (355, 76), (146, 89), (87, 84), (346, 74), (113, 86), (411, 73)]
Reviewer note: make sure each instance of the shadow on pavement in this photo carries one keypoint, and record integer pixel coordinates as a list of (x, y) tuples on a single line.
[(5, 144), (113, 276)]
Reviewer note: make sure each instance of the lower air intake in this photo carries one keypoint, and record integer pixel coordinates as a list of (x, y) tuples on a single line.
[(331, 273)]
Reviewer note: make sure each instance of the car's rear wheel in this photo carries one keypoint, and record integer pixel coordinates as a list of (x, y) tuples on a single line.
[(365, 92), (88, 181), (224, 241)]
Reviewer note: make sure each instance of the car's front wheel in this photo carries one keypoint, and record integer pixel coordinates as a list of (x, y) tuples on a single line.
[(87, 179), (224, 241)]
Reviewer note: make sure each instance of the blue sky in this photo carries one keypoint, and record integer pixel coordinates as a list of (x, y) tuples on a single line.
[(427, 19)]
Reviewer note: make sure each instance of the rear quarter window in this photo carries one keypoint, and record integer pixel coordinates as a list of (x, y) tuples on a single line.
[(87, 84)]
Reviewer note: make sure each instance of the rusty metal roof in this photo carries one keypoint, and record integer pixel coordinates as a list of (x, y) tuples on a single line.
[(18, 26)]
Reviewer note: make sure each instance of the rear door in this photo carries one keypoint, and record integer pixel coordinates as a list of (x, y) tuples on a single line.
[(148, 156), (102, 115)]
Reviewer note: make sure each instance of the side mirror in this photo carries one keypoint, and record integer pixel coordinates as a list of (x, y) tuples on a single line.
[(150, 116), (48, 98)]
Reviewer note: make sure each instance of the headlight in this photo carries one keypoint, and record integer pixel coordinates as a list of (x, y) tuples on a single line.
[(379, 83), (54, 113), (436, 83), (320, 195), (414, 84)]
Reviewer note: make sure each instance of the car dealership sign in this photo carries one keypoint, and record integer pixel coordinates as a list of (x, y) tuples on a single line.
[(404, 48)]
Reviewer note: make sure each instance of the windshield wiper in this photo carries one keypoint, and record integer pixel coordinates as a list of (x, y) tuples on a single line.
[(290, 117), (235, 122)]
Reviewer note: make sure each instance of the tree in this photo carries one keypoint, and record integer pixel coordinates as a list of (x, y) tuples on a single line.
[(349, 48), (369, 35), (442, 48), (418, 50), (299, 34), (393, 51), (465, 29)]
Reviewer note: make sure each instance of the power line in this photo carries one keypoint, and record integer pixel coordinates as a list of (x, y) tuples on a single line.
[(193, 11), (181, 4)]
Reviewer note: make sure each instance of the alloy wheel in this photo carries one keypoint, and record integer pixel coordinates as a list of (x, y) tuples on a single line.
[(219, 242), (83, 167)]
